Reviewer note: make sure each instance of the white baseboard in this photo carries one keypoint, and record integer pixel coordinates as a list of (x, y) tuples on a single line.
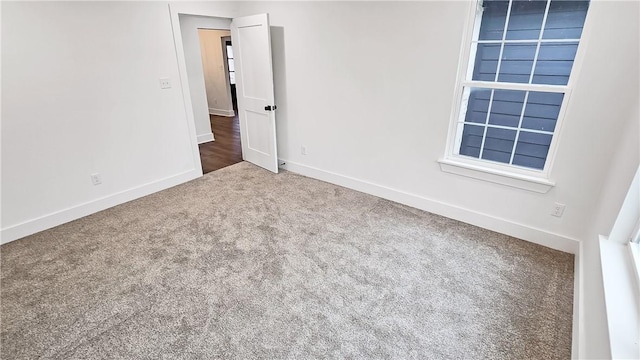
[(204, 138), (48, 221), (504, 226), (222, 112), (577, 333)]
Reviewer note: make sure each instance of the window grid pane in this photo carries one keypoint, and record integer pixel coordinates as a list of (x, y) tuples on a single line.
[(526, 19), (554, 63), (561, 26), (493, 27), (516, 63)]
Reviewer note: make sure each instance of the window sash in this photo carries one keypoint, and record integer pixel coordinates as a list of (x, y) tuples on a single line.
[(459, 122), (486, 125), (475, 40)]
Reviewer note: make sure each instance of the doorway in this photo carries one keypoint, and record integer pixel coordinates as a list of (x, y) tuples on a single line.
[(253, 73), (219, 76)]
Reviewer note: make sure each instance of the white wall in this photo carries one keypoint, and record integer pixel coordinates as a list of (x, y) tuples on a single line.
[(623, 164), (81, 94), (370, 118), (214, 65), (189, 25)]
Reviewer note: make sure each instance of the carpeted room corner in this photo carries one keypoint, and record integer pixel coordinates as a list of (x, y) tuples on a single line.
[(243, 263)]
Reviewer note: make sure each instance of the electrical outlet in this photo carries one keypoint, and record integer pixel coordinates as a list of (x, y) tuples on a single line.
[(303, 150), (558, 209), (165, 83), (96, 179)]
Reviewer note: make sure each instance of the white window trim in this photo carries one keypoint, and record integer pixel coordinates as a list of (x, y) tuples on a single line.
[(621, 299), (510, 175), (634, 250), (620, 278)]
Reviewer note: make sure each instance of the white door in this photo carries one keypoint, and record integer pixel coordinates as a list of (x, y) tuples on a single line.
[(254, 86)]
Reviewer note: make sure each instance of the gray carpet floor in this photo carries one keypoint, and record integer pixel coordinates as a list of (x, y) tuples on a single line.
[(243, 264)]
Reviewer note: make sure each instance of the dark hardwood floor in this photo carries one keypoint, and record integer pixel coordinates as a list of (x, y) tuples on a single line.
[(226, 149)]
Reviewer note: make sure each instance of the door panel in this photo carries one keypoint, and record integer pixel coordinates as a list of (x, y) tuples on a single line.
[(254, 80), (260, 124)]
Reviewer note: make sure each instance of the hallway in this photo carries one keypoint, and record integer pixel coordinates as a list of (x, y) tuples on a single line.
[(226, 149)]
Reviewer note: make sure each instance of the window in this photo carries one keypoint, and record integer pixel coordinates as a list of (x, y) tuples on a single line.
[(516, 83), (232, 69)]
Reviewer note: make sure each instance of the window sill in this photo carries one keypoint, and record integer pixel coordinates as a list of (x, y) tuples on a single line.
[(621, 299), (519, 181)]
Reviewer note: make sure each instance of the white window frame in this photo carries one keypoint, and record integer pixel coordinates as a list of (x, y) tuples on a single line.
[(634, 249), (506, 174)]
